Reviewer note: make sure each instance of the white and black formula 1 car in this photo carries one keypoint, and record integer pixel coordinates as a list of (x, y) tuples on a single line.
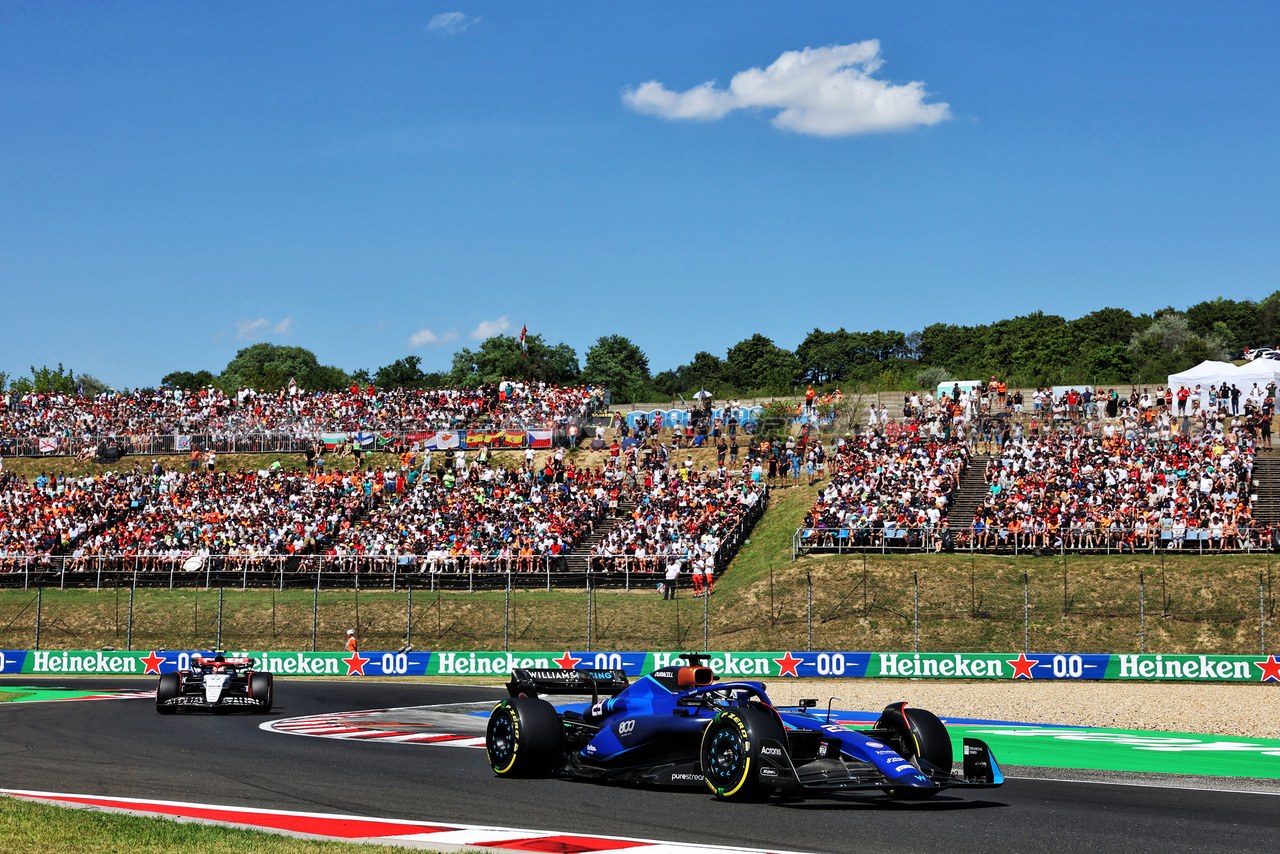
[(678, 726), (218, 683)]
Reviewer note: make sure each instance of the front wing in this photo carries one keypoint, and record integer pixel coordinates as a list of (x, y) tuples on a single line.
[(843, 773)]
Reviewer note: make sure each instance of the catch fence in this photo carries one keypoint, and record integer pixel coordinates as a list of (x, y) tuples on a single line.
[(1166, 603), (1225, 539)]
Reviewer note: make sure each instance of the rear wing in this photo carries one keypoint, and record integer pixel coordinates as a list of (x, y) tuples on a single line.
[(597, 683), (200, 660)]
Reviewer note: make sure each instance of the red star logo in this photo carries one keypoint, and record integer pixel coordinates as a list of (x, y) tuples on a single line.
[(1022, 666), (788, 665), (153, 663), (1270, 668), (355, 664), (568, 662)]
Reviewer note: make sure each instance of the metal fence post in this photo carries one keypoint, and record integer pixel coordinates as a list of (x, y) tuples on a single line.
[(39, 602), (128, 645), (408, 618), (315, 608), (220, 618), (809, 617), (706, 612), (506, 616), (1026, 613), (1262, 613), (1142, 612), (590, 603), (915, 612)]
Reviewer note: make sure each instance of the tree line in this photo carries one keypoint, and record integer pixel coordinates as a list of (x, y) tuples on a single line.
[(1110, 345)]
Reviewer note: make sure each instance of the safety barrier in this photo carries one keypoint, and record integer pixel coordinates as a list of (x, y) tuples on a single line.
[(747, 665)]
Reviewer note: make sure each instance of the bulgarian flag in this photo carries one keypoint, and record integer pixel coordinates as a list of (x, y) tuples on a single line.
[(332, 440), (524, 346)]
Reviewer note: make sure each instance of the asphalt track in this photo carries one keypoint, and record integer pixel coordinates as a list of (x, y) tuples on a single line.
[(124, 748)]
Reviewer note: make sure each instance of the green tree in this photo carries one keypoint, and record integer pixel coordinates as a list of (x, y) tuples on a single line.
[(620, 366), (45, 379), (271, 366), (402, 373), (705, 371), (500, 357), (757, 363), (956, 348), (190, 380), (1109, 363), (1239, 319)]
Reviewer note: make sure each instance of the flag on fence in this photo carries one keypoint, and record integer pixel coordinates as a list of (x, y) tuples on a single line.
[(333, 440), (364, 439), (182, 443), (539, 438), (50, 446)]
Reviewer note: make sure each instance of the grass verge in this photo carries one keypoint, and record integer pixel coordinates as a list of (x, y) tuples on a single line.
[(32, 827), (10, 696)]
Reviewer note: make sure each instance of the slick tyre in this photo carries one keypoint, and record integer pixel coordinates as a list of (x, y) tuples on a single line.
[(262, 689), (933, 742), (167, 688), (730, 753), (523, 738), (927, 739)]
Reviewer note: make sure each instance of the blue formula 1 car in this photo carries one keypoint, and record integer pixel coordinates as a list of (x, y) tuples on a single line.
[(678, 726)]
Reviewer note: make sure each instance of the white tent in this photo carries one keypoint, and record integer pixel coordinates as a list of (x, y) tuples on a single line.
[(1224, 374)]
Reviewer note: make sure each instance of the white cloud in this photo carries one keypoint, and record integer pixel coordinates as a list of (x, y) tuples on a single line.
[(249, 330), (451, 23), (426, 338), (490, 328), (822, 91), (255, 330)]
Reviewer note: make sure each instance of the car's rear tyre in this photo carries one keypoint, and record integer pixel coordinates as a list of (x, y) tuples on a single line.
[(926, 738), (731, 749), (262, 689), (168, 688), (523, 738)]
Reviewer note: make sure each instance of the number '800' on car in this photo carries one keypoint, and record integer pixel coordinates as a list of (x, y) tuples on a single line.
[(679, 726), (216, 683)]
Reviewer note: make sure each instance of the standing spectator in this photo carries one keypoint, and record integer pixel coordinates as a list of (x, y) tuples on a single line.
[(352, 646), (671, 578)]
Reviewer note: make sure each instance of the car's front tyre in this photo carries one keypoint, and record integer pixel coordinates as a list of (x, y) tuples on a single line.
[(730, 754), (167, 688), (523, 738), (262, 689)]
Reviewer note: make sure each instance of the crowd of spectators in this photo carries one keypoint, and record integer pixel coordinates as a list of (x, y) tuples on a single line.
[(893, 490), (210, 411), (676, 515), (1119, 493), (1081, 470)]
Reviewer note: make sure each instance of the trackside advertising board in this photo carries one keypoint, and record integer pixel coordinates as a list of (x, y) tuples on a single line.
[(729, 665)]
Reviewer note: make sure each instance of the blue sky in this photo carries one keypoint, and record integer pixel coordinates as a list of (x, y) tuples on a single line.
[(179, 180)]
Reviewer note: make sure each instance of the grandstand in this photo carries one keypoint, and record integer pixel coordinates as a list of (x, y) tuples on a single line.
[(476, 486)]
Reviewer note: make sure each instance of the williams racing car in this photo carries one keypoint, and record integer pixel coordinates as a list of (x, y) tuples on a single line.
[(216, 683), (678, 726)]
